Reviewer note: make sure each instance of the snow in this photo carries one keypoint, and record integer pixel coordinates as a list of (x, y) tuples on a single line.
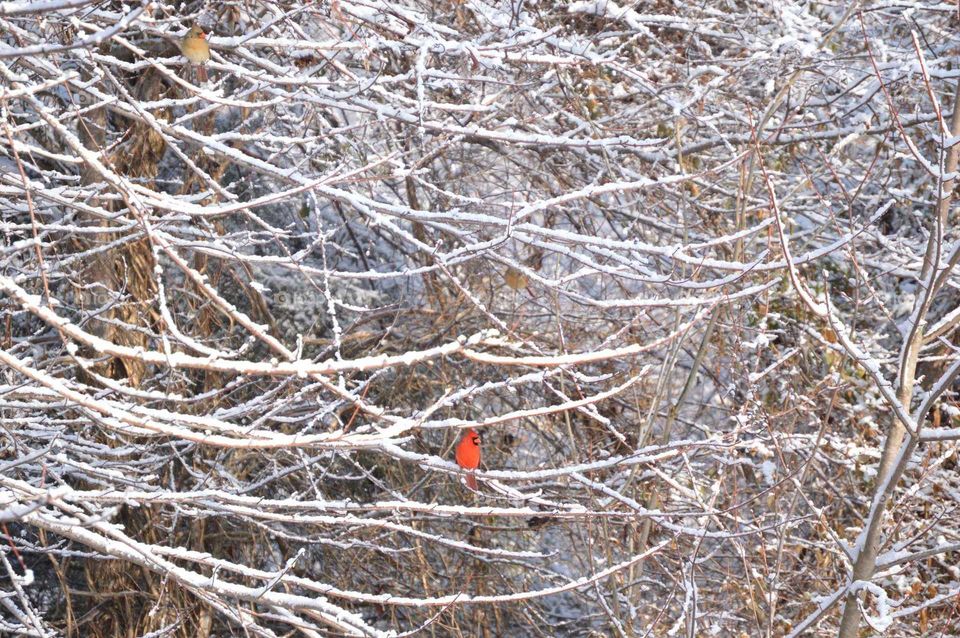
[(726, 216)]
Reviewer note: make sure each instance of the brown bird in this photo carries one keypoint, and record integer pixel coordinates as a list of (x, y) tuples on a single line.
[(195, 48), (515, 278)]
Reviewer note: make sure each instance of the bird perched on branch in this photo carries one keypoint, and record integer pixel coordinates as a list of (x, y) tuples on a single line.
[(468, 455), (515, 278), (195, 48)]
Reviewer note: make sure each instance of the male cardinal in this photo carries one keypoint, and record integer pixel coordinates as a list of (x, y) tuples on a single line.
[(468, 455), (195, 48)]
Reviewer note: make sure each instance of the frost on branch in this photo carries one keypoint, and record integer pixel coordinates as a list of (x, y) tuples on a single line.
[(687, 268)]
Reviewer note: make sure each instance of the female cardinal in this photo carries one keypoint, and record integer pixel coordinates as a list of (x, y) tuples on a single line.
[(195, 48), (468, 455)]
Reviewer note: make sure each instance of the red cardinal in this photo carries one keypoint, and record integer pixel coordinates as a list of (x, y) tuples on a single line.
[(468, 455)]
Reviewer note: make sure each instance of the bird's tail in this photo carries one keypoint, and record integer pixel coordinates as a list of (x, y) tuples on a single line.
[(472, 482)]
